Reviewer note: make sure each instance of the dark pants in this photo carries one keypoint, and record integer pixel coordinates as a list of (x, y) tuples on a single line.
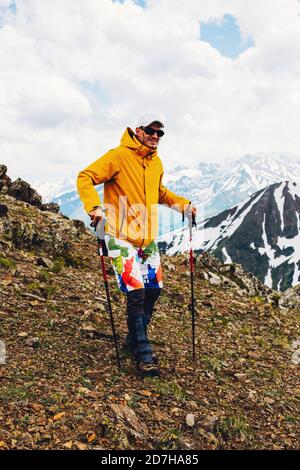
[(140, 304)]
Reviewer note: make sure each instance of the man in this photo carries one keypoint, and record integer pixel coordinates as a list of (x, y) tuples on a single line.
[(132, 176)]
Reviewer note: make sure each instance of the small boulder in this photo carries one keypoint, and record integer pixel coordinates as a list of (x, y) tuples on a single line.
[(190, 420), (5, 181), (51, 207), (209, 422), (214, 280), (22, 191), (33, 342), (3, 210), (44, 262)]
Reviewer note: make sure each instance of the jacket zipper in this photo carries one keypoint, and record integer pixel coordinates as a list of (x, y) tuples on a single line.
[(144, 167)]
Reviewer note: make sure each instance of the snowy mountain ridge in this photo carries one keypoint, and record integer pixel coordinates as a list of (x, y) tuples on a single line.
[(262, 233)]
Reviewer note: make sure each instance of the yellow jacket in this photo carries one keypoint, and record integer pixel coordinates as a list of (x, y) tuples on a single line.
[(132, 176)]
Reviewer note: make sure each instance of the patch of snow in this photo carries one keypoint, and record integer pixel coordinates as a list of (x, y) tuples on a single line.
[(227, 257), (279, 199)]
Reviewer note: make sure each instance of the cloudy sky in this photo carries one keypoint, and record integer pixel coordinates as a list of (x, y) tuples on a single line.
[(225, 74)]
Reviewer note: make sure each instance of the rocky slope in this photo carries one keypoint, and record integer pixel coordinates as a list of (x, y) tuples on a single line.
[(60, 387)]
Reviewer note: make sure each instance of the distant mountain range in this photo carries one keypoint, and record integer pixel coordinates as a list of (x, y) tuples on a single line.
[(262, 233), (212, 187)]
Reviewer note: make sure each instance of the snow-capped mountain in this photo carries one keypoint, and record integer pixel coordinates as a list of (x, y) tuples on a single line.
[(55, 188), (211, 187), (215, 187), (262, 233)]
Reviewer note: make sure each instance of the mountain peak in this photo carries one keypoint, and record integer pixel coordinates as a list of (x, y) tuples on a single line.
[(262, 233)]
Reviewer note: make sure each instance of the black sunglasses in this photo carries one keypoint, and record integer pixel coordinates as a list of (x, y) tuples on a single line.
[(150, 131)]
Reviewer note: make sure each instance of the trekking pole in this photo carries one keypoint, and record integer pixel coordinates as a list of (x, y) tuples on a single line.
[(192, 223), (102, 249)]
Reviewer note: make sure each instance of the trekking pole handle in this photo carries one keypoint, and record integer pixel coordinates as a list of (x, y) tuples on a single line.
[(194, 221), (100, 227), (191, 217)]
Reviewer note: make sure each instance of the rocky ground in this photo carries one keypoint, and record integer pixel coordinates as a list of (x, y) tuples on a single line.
[(60, 387)]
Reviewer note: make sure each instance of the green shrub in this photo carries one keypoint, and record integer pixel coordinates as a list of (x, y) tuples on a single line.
[(44, 276), (232, 427), (58, 265), (7, 263), (15, 393)]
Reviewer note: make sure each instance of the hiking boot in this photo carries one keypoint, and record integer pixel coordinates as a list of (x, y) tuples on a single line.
[(148, 369), (128, 348)]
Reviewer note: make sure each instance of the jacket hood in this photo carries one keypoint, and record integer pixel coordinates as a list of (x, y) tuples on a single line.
[(130, 141)]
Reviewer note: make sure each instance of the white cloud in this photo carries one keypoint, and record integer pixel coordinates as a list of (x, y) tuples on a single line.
[(144, 59)]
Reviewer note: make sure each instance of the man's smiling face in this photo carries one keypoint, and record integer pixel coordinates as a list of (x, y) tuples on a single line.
[(150, 141)]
